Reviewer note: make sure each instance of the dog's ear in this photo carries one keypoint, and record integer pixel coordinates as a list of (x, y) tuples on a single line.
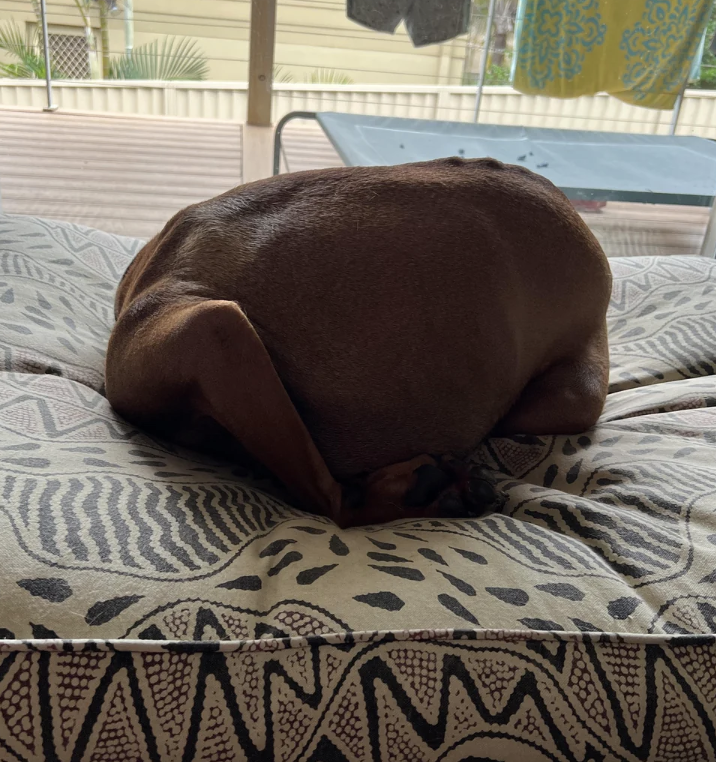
[(165, 354)]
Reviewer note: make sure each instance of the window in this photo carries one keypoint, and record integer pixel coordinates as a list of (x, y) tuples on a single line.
[(70, 54)]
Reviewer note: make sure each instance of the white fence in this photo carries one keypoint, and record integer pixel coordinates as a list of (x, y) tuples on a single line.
[(500, 105)]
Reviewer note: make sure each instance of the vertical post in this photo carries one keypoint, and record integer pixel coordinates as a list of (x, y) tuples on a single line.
[(444, 66), (104, 36), (677, 110), (128, 26), (261, 52), (485, 54), (708, 245), (691, 74), (48, 64)]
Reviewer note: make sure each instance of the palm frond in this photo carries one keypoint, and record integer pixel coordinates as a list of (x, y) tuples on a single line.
[(12, 41), (28, 51), (174, 59), (328, 77), (279, 75), (18, 71)]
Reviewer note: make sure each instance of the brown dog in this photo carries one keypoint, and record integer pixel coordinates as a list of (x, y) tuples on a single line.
[(358, 322)]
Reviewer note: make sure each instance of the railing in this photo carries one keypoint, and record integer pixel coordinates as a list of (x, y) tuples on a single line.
[(500, 105)]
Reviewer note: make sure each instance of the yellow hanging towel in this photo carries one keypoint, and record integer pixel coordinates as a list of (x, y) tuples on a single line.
[(639, 51)]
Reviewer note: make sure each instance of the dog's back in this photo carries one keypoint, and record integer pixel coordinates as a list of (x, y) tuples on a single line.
[(405, 308)]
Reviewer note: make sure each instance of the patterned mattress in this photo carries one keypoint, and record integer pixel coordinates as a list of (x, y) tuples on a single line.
[(159, 605)]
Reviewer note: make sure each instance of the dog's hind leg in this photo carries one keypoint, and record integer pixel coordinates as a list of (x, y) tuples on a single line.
[(567, 398), (171, 354)]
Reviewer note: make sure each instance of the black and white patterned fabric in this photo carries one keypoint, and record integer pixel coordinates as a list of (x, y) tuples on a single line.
[(159, 605)]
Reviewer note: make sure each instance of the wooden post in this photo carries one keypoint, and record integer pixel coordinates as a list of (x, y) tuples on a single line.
[(104, 36), (263, 32)]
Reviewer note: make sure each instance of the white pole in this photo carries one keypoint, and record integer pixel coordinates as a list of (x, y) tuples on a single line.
[(485, 54), (128, 26), (677, 110)]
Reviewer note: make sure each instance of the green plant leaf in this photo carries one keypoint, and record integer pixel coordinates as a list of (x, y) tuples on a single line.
[(279, 75), (328, 77), (173, 59), (28, 51)]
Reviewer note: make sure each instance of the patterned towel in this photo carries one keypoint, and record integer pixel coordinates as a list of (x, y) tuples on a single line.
[(640, 51)]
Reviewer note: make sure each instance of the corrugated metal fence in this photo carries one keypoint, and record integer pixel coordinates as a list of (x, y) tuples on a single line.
[(501, 105)]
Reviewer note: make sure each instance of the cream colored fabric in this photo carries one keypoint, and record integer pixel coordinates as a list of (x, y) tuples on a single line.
[(113, 536)]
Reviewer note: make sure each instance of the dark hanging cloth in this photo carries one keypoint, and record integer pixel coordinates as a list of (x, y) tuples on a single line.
[(428, 22)]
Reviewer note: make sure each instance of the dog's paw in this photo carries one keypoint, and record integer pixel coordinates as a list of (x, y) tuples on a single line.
[(472, 491), (421, 488), (429, 483)]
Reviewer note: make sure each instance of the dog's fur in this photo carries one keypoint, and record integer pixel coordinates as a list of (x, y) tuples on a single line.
[(355, 321)]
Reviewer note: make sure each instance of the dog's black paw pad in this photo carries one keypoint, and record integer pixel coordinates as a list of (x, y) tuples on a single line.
[(430, 481), (480, 493), (451, 507)]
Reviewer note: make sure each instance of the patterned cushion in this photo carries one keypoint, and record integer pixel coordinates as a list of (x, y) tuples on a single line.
[(57, 285), (158, 605)]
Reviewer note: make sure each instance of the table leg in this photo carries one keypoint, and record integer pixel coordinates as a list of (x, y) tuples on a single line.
[(708, 247)]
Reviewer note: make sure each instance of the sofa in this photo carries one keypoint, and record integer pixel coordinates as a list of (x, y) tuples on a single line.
[(159, 604)]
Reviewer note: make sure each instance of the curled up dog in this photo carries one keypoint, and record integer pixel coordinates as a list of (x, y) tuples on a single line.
[(360, 330)]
